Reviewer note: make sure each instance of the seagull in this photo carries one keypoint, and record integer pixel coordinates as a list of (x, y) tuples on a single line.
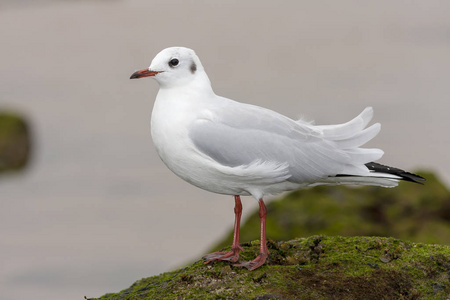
[(232, 148)]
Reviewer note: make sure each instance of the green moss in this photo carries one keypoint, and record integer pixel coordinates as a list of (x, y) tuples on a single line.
[(317, 267), (14, 142)]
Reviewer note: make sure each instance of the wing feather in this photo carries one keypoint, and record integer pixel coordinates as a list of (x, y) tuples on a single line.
[(244, 134), (347, 130), (252, 134)]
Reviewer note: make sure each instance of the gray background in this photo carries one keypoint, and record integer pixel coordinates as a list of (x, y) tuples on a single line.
[(97, 209)]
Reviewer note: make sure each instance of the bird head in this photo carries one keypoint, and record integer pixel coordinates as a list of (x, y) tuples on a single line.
[(172, 67)]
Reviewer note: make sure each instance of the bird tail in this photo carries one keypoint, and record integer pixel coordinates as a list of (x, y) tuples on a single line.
[(360, 168)]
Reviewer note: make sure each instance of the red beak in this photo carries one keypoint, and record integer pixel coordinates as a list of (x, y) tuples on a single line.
[(144, 73)]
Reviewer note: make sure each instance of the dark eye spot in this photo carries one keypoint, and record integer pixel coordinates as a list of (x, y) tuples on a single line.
[(174, 62), (193, 68)]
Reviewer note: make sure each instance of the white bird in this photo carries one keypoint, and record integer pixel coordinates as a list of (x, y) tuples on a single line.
[(232, 148)]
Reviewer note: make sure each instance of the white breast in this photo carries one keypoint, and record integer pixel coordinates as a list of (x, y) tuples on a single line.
[(170, 122)]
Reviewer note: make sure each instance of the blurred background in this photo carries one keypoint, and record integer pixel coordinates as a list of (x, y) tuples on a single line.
[(95, 209)]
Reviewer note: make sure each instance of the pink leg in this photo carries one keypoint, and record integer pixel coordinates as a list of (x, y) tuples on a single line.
[(263, 252), (232, 255)]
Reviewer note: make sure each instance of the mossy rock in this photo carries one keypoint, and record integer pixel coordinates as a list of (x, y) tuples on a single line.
[(15, 142), (317, 267), (345, 266), (418, 213)]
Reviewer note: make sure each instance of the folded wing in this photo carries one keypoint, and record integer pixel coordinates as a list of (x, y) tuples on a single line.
[(246, 135)]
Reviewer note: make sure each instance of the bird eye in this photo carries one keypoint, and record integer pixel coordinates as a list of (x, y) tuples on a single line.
[(174, 62)]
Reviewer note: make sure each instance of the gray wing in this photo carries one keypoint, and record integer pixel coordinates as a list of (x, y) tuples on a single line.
[(241, 134)]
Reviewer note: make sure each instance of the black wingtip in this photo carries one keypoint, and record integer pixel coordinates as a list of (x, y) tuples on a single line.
[(406, 176)]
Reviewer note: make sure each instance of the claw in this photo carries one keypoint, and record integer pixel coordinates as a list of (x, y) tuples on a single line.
[(231, 256), (254, 264)]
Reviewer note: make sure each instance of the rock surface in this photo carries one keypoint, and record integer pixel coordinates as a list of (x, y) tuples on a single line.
[(317, 267)]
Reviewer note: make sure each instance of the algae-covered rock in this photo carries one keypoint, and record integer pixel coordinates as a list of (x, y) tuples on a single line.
[(418, 213), (14, 142), (317, 267), (330, 267)]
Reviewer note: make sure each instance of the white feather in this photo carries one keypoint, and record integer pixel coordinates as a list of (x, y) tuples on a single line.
[(346, 130)]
